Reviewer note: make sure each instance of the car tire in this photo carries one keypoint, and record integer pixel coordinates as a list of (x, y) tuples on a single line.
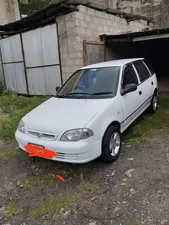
[(154, 103), (111, 144)]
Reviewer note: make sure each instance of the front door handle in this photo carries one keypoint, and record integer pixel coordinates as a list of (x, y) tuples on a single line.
[(140, 92)]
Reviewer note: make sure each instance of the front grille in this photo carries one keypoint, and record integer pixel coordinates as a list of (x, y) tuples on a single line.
[(41, 135)]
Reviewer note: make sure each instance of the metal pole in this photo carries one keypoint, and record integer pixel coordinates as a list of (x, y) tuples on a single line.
[(3, 68), (24, 63)]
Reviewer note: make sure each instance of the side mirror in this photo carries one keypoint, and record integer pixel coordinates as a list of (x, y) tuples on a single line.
[(129, 88), (57, 89)]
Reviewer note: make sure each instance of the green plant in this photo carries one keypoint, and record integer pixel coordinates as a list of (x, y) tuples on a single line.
[(12, 210), (52, 207), (1, 87), (16, 107)]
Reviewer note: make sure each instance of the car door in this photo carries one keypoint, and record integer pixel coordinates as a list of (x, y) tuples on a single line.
[(130, 102), (145, 88)]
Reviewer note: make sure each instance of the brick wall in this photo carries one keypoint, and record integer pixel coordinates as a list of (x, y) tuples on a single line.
[(87, 24)]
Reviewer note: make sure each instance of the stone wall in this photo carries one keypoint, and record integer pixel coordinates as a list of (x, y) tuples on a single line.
[(9, 11), (151, 8), (109, 3), (165, 14), (87, 24)]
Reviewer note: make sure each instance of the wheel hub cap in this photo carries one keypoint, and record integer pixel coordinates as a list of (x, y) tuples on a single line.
[(155, 102), (114, 144)]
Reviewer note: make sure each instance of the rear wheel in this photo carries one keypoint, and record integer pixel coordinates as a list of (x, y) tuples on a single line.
[(111, 144), (154, 103)]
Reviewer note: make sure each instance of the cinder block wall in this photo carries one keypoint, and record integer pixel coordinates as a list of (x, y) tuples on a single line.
[(87, 24)]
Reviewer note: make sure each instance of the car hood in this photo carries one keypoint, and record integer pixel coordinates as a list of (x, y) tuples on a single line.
[(58, 115)]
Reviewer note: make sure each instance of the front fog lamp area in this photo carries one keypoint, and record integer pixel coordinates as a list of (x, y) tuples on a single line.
[(76, 135)]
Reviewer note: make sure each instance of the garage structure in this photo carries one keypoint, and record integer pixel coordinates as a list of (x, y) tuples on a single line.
[(41, 51), (152, 45)]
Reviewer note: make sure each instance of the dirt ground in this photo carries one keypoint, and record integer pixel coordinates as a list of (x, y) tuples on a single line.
[(132, 191)]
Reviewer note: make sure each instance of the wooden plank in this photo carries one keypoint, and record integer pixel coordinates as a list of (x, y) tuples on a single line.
[(95, 42), (84, 53)]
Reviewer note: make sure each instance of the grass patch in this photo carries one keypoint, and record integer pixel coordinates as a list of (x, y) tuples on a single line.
[(9, 154), (65, 170), (148, 126), (16, 107), (38, 181), (12, 210), (52, 207), (56, 203)]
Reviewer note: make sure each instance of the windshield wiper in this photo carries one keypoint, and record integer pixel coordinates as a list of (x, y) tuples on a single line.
[(76, 93), (102, 93)]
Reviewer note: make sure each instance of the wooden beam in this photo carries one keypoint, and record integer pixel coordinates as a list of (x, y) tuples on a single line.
[(84, 53), (151, 37), (95, 42)]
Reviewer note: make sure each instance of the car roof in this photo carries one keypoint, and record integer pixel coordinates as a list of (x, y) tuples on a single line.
[(120, 62)]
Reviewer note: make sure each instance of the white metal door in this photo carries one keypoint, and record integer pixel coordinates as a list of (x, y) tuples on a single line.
[(42, 60), (146, 87), (13, 64), (130, 102)]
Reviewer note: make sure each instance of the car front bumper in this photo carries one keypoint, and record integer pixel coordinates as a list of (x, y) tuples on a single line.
[(71, 152)]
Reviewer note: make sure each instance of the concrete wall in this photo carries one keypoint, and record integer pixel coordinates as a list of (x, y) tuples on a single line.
[(9, 11), (87, 24), (151, 8), (165, 14)]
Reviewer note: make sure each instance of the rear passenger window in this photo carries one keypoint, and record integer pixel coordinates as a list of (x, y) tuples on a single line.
[(129, 76), (149, 67), (142, 70)]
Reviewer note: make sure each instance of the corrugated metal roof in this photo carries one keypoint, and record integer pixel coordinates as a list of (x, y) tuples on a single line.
[(49, 14), (132, 36)]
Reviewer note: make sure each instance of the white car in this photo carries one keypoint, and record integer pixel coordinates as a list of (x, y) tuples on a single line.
[(91, 110)]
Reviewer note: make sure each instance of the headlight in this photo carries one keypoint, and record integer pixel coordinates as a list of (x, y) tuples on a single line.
[(21, 126), (76, 135)]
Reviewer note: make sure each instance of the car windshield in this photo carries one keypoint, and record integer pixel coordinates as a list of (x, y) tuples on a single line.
[(91, 83)]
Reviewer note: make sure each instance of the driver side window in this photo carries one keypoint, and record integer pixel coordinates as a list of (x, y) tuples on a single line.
[(129, 76)]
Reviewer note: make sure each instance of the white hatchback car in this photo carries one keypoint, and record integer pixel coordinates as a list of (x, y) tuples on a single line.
[(85, 119)]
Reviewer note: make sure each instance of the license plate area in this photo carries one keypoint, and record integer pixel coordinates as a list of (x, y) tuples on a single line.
[(33, 144)]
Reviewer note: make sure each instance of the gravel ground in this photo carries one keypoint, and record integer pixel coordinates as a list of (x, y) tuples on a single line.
[(132, 191)]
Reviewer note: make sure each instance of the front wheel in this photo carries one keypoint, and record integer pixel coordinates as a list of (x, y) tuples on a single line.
[(111, 144), (154, 103)]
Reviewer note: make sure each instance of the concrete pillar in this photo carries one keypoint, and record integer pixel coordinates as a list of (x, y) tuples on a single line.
[(12, 10), (16, 10)]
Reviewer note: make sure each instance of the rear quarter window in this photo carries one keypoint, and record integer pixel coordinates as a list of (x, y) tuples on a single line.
[(149, 67), (142, 70)]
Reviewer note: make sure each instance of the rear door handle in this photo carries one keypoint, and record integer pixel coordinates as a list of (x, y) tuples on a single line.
[(140, 92), (152, 83)]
